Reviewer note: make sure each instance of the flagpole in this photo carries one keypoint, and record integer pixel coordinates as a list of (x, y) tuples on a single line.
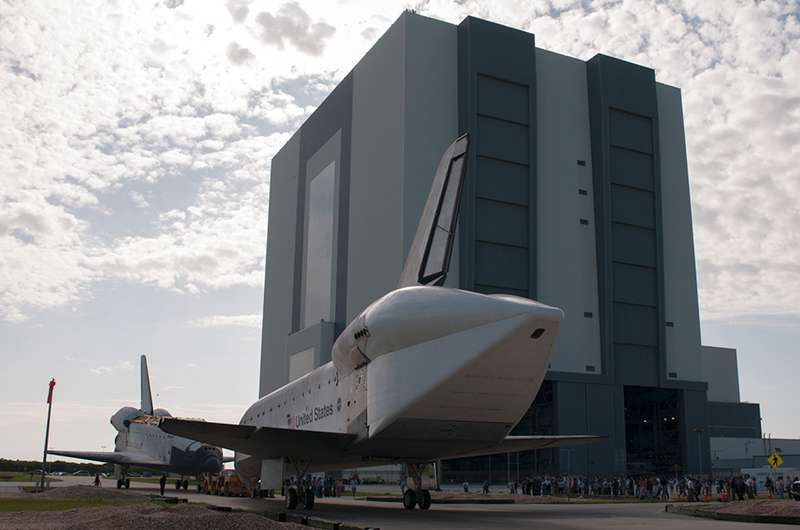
[(47, 431)]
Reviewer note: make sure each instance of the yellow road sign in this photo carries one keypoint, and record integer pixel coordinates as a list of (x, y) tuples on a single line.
[(775, 460)]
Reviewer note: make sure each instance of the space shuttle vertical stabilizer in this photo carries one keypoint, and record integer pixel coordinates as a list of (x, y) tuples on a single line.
[(429, 258), (147, 397)]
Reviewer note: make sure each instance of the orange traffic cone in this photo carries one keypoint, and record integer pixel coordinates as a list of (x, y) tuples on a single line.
[(705, 496), (768, 494), (679, 496)]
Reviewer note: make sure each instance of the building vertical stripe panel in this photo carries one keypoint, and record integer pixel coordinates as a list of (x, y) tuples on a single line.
[(497, 95), (625, 151)]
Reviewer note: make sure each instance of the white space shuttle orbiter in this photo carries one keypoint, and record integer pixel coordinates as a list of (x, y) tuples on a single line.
[(424, 373), (139, 442)]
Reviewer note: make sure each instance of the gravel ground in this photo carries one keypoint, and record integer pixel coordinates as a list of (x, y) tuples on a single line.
[(140, 516), (775, 507)]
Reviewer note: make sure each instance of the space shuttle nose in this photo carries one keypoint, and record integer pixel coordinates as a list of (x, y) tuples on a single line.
[(414, 315), (212, 464)]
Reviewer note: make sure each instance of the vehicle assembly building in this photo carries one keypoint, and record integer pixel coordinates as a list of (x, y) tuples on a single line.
[(576, 195)]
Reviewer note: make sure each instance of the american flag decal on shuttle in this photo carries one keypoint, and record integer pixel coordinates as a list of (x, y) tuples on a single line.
[(292, 422)]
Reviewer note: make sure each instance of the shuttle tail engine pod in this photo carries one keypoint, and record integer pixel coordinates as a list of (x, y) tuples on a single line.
[(122, 419), (428, 260)]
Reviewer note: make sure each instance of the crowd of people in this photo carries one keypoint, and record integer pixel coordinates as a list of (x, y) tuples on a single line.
[(649, 487)]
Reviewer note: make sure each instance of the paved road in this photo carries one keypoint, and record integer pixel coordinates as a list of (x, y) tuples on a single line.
[(392, 516)]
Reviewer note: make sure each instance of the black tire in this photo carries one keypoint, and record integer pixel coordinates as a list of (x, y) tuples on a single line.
[(119, 483), (291, 499), (424, 500), (177, 484), (186, 484), (797, 497), (409, 500), (127, 483), (308, 502), (199, 488)]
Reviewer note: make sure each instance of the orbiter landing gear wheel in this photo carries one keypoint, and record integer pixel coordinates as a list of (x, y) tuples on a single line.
[(308, 502), (291, 499), (424, 500), (409, 500)]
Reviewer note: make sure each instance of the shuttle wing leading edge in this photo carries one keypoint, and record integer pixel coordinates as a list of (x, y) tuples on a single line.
[(263, 442), (123, 458)]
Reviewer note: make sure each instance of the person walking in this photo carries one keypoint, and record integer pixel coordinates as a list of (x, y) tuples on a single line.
[(163, 482)]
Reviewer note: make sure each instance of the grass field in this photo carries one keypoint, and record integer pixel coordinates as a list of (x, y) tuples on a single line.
[(26, 504)]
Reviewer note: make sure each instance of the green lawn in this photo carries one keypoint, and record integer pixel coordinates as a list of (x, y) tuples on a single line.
[(26, 504)]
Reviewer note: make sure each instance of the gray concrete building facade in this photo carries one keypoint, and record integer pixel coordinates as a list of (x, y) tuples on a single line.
[(577, 195)]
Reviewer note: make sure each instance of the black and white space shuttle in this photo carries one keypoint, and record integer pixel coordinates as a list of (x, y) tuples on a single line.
[(424, 373), (139, 442)]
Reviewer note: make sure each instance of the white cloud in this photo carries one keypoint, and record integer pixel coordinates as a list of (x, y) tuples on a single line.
[(121, 365), (292, 25), (138, 199), (250, 321)]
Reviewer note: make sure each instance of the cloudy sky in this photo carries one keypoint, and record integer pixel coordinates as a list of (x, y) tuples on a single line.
[(135, 148)]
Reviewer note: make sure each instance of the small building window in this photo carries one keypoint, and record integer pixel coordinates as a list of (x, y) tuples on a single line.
[(584, 221), (590, 368), (673, 375), (582, 192), (581, 162), (587, 314), (670, 324)]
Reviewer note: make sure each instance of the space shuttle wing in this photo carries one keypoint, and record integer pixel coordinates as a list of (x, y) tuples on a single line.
[(429, 258), (134, 458), (262, 442), (527, 443)]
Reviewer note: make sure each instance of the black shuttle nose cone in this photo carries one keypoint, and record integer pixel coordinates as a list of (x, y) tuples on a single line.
[(212, 464), (211, 458)]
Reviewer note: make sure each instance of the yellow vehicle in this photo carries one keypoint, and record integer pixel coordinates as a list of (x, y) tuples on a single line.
[(226, 483)]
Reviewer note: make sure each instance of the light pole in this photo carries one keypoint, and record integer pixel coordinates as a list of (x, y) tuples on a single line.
[(699, 448), (47, 431)]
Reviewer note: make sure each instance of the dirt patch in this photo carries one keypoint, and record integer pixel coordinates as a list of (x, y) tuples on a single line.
[(90, 492), (774, 508), (140, 516)]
